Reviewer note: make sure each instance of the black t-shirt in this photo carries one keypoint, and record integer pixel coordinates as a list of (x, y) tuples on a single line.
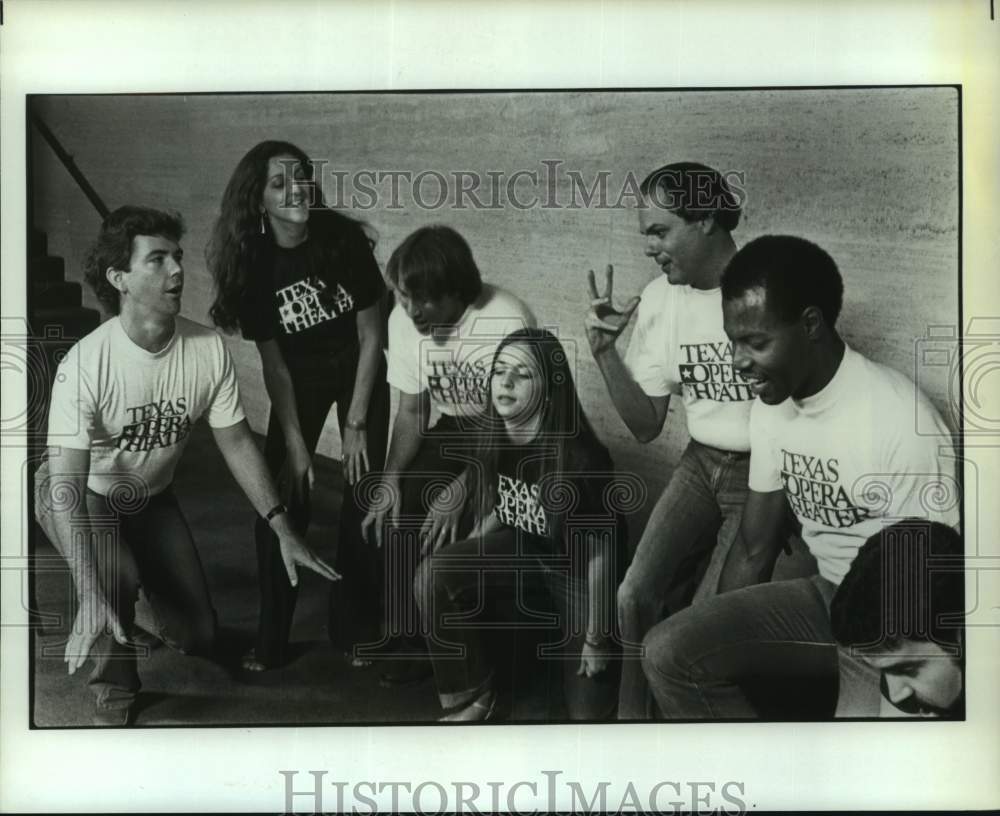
[(307, 298), (577, 500)]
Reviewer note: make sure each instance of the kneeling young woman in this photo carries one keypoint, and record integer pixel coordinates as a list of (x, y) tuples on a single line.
[(542, 487)]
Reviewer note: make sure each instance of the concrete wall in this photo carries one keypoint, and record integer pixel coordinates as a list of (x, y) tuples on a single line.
[(871, 175)]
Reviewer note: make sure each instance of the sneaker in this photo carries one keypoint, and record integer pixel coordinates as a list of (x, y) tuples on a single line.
[(117, 717)]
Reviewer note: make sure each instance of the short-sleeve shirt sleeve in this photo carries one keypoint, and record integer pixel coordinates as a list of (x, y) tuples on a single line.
[(224, 409), (402, 357), (257, 308), (765, 475), (72, 407), (648, 355), (367, 277)]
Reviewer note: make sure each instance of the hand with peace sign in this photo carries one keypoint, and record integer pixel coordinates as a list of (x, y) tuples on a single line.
[(605, 321)]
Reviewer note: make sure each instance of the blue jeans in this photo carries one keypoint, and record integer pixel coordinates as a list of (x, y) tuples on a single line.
[(769, 646), (151, 548), (697, 516)]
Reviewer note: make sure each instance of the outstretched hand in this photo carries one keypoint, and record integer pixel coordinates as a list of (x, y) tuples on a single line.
[(296, 553), (355, 454), (605, 321), (376, 518), (93, 618), (440, 527), (444, 517)]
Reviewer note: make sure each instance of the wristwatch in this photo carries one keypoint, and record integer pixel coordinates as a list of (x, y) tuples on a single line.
[(277, 510), (357, 425)]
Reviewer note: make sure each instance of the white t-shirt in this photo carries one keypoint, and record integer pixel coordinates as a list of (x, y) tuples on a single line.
[(454, 367), (133, 409), (851, 462), (678, 347)]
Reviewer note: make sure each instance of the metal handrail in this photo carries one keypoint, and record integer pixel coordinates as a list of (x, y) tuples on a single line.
[(69, 164)]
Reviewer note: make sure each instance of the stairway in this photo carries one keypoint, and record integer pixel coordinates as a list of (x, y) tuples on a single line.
[(57, 319)]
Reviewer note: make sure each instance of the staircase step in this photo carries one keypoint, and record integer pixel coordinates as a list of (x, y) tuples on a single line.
[(48, 268), (58, 294), (64, 323), (39, 243)]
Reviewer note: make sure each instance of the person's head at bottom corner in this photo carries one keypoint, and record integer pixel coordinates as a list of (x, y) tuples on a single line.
[(900, 608), (920, 677)]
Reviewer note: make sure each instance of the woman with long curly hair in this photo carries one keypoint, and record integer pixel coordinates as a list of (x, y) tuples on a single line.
[(300, 279), (544, 495)]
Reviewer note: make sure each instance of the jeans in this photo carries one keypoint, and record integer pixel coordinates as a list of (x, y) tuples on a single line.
[(697, 516), (738, 654), (150, 548), (353, 600), (455, 585)]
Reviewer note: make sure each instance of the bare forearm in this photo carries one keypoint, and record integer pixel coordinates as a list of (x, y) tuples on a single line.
[(364, 382), (762, 532), (634, 406), (404, 444), (744, 567), (73, 539), (69, 527), (370, 336), (246, 463), (281, 393)]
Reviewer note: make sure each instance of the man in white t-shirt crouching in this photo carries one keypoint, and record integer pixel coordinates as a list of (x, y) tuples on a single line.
[(122, 407), (443, 333), (834, 436)]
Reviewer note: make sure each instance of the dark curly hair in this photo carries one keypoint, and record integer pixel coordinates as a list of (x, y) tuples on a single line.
[(794, 272), (906, 583), (694, 192), (113, 247), (237, 248)]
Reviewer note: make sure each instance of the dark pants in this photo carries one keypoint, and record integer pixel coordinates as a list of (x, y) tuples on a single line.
[(151, 548), (354, 599), (708, 661), (431, 470), (460, 581)]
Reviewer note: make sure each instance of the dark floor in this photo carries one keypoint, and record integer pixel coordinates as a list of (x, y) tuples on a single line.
[(318, 686)]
